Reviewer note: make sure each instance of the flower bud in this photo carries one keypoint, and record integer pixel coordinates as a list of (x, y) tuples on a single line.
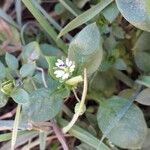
[(74, 81)]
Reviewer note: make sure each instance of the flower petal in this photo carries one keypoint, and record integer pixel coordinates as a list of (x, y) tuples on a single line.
[(59, 73), (65, 76)]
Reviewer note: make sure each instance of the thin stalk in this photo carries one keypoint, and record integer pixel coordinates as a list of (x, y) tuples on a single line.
[(77, 114)]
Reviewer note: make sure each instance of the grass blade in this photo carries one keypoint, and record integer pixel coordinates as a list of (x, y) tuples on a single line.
[(42, 137), (84, 17), (44, 24), (15, 128), (49, 18), (84, 136), (70, 7), (18, 12)]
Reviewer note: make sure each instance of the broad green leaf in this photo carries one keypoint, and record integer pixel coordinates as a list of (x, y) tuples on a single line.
[(130, 131), (101, 84), (2, 71), (144, 97), (32, 6), (136, 12), (44, 104), (84, 136), (146, 145), (144, 80), (52, 84), (3, 99), (86, 49), (27, 70), (51, 60), (30, 52), (11, 61), (50, 50), (20, 96), (142, 52), (84, 17)]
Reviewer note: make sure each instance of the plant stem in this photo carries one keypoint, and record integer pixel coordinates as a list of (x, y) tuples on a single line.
[(75, 94), (77, 114)]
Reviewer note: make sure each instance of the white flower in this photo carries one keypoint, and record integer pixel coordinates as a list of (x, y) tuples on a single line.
[(64, 69)]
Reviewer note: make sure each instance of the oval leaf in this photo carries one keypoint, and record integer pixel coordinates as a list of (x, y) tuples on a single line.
[(2, 71), (27, 70), (11, 61), (144, 97), (136, 12), (130, 131), (142, 53), (86, 49), (44, 105), (20, 96), (3, 99)]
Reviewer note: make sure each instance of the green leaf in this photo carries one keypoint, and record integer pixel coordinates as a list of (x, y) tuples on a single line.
[(84, 17), (11, 61), (136, 12), (70, 7), (131, 129), (142, 52), (51, 60), (100, 84), (32, 6), (84, 136), (3, 99), (44, 104), (144, 80), (20, 96), (86, 49), (2, 71), (144, 97), (30, 52), (52, 84), (50, 50), (27, 70)]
